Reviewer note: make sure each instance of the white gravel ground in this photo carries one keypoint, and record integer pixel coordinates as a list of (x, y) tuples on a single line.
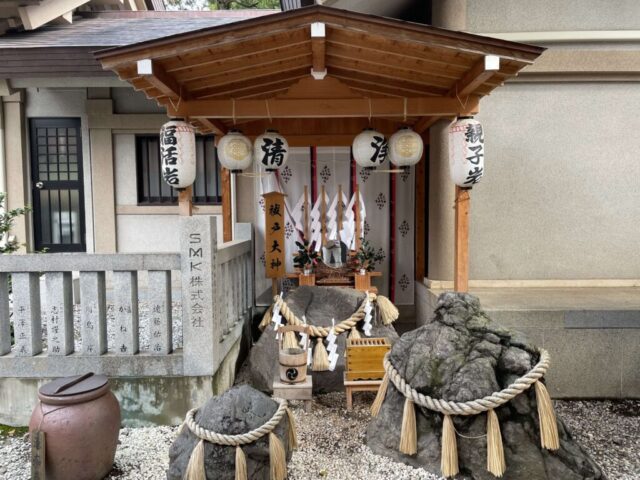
[(331, 444)]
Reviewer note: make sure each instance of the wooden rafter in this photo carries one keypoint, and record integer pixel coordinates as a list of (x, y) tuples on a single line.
[(326, 108), (155, 76), (318, 48), (213, 125), (34, 16)]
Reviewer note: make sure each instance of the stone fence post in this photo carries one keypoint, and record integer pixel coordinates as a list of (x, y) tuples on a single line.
[(202, 328)]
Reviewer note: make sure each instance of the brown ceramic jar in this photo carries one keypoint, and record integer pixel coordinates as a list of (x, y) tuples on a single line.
[(81, 430)]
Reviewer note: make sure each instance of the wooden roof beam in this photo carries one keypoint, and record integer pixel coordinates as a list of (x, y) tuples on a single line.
[(158, 78), (34, 16), (318, 48), (214, 126), (482, 71), (325, 108)]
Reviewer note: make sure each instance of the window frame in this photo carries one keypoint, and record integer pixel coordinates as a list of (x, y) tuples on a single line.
[(142, 149)]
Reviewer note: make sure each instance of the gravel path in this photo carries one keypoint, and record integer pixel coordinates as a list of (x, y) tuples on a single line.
[(331, 442)]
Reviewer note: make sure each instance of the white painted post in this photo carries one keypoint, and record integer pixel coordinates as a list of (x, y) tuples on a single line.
[(125, 296), (5, 327), (94, 313), (27, 324), (160, 328), (201, 310), (59, 313)]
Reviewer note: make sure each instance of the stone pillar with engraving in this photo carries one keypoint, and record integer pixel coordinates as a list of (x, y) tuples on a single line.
[(202, 325)]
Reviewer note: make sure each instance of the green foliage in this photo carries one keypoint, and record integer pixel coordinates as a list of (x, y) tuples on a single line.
[(7, 218), (367, 257), (306, 255), (221, 4)]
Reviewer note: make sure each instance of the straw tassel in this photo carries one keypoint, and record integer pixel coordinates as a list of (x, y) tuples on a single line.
[(495, 452), (354, 334), (388, 311), (382, 392), (195, 467), (293, 436), (266, 319), (320, 357), (548, 425), (449, 455), (290, 340), (409, 434), (241, 464), (277, 458)]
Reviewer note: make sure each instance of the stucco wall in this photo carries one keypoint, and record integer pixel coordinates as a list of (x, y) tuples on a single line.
[(560, 196), (497, 16)]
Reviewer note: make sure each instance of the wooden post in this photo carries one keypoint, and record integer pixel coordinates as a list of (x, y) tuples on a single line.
[(306, 213), (357, 207), (227, 227), (185, 202), (461, 261)]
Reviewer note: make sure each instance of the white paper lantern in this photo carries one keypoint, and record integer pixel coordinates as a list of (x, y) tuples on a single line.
[(405, 148), (234, 151), (466, 152), (369, 148), (178, 153), (271, 150)]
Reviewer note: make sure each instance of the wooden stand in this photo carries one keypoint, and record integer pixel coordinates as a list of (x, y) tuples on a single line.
[(294, 391), (352, 386), (363, 282), (309, 280)]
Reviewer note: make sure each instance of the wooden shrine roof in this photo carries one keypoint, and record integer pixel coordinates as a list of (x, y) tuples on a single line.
[(258, 72)]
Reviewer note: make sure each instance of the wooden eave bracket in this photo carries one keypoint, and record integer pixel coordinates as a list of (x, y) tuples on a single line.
[(318, 49), (156, 76), (34, 16)]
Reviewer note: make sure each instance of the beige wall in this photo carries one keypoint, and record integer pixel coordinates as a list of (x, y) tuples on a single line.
[(560, 196), (497, 16)]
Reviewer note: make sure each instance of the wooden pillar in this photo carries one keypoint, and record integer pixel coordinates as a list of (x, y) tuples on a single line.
[(185, 201), (227, 227), (420, 211), (461, 259)]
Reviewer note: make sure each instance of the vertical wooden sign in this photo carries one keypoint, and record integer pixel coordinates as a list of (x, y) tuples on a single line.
[(274, 249)]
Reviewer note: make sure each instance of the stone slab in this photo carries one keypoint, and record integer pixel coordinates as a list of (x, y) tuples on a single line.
[(159, 299), (602, 319), (93, 328), (59, 313), (27, 321), (89, 262), (630, 347), (125, 305), (5, 326)]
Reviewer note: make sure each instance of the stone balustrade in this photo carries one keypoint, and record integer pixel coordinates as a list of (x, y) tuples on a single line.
[(216, 296)]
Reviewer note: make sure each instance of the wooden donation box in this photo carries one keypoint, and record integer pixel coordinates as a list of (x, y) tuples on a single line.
[(364, 369)]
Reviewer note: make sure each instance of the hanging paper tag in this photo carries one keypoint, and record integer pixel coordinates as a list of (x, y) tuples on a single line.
[(309, 356), (37, 455), (333, 360)]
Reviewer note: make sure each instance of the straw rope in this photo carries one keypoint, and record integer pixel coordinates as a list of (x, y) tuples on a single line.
[(240, 439), (343, 326), (472, 407)]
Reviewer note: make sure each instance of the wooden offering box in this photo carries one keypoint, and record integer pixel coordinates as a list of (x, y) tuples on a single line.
[(364, 358)]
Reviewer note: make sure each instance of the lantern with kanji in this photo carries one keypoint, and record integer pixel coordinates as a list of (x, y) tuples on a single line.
[(178, 153), (466, 152), (271, 150), (234, 151), (405, 148), (369, 148)]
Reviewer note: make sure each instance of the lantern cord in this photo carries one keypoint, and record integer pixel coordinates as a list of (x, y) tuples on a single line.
[(266, 102), (405, 110), (233, 111), (173, 105), (463, 105)]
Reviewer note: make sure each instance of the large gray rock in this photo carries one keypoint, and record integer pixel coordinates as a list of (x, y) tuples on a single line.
[(460, 356), (319, 305), (239, 410)]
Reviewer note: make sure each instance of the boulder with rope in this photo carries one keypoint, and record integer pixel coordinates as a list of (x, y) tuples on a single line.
[(242, 434), (317, 306), (465, 398)]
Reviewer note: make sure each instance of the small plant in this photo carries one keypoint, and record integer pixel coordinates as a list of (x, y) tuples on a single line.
[(8, 243), (366, 257), (306, 256)]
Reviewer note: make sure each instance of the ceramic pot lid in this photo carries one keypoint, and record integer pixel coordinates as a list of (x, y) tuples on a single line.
[(76, 385)]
